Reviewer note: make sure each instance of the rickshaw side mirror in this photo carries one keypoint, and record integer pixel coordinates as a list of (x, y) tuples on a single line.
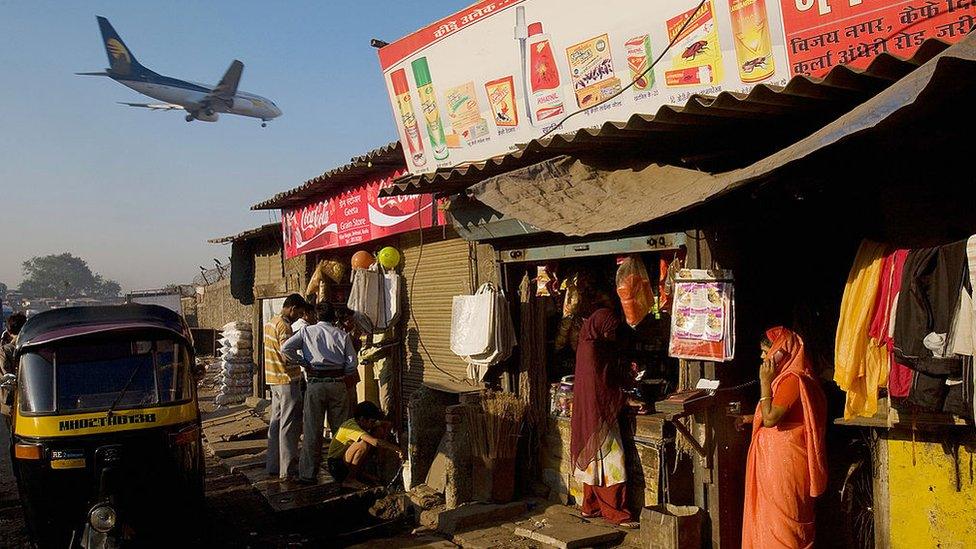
[(8, 381)]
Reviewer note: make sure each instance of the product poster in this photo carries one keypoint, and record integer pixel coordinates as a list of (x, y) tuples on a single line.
[(702, 317), (500, 73), (821, 34), (355, 216)]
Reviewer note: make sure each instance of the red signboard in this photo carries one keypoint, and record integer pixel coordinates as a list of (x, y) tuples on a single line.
[(823, 33), (355, 216)]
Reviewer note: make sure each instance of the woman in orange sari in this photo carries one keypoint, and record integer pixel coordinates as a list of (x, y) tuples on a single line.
[(786, 468)]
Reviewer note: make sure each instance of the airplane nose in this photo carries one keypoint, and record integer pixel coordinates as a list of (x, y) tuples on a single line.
[(276, 111)]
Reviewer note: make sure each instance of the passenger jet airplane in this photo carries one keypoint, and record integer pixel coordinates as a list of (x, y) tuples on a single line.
[(200, 102)]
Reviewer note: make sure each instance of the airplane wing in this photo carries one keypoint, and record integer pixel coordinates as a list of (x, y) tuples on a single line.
[(154, 106), (227, 87)]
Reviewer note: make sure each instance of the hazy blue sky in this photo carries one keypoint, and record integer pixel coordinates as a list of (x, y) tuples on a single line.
[(137, 193)]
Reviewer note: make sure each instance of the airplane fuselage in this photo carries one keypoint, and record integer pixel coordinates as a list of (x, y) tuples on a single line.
[(191, 95)]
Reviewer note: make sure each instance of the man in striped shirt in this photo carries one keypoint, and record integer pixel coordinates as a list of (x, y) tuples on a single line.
[(284, 379)]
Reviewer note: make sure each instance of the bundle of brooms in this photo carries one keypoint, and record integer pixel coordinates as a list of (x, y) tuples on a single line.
[(495, 426)]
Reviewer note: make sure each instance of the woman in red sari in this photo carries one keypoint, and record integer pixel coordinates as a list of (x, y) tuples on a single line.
[(596, 447), (786, 467)]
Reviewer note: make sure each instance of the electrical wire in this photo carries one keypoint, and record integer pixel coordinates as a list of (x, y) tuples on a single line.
[(420, 340), (636, 78)]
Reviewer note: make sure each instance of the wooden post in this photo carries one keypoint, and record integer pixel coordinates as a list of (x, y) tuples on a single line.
[(882, 515)]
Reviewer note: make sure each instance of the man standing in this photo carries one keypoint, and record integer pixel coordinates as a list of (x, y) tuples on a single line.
[(14, 323), (307, 318), (330, 359), (286, 393)]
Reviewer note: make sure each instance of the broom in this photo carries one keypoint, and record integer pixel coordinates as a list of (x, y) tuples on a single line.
[(495, 427)]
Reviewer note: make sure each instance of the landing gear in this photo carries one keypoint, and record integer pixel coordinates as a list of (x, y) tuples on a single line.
[(209, 112), (264, 123), (189, 117)]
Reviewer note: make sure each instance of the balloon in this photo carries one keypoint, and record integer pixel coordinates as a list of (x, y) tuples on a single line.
[(389, 257), (362, 260)]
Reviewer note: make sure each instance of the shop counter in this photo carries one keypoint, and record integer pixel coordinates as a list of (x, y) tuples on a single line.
[(649, 440)]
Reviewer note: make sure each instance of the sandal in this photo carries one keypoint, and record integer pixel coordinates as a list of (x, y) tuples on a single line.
[(630, 525), (584, 514)]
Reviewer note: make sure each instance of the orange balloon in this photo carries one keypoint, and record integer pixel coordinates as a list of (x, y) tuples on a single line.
[(362, 260)]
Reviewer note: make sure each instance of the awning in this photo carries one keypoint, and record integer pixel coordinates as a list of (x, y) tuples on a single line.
[(574, 197), (376, 163), (565, 195), (708, 133), (267, 229)]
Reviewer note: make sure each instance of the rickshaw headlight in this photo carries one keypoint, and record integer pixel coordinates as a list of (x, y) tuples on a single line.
[(102, 518)]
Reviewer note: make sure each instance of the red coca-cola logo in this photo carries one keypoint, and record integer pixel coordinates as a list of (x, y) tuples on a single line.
[(314, 217)]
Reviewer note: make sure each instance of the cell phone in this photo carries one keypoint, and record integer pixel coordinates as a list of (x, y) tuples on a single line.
[(779, 356)]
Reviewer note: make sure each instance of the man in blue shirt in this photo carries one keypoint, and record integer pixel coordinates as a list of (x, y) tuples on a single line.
[(329, 359)]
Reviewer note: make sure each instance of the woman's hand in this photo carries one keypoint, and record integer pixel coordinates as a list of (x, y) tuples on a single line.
[(767, 372)]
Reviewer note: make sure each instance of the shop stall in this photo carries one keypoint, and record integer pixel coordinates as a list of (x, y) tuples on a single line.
[(783, 205)]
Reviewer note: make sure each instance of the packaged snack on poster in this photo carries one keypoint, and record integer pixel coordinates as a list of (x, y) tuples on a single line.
[(464, 113), (591, 69), (501, 97), (697, 54), (634, 290), (639, 61)]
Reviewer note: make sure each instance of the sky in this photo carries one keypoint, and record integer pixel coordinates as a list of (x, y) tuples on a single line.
[(137, 193)]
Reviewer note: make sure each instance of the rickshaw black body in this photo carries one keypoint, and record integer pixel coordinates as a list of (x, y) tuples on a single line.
[(119, 436)]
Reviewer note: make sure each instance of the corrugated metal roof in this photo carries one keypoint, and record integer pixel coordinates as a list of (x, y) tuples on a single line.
[(268, 228), (708, 133), (567, 196), (382, 160)]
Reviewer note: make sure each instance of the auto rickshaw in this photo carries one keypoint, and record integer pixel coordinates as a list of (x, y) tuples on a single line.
[(106, 443)]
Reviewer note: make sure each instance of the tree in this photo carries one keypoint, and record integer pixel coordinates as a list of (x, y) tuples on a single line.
[(64, 275), (3, 289)]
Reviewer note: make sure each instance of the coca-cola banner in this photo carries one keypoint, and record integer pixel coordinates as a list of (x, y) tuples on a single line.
[(355, 216)]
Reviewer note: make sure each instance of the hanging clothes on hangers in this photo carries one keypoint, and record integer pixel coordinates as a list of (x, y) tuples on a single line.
[(859, 363)]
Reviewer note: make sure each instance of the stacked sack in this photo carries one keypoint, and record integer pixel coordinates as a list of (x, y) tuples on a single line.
[(234, 380)]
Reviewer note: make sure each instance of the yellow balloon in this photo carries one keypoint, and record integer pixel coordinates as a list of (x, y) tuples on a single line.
[(389, 257)]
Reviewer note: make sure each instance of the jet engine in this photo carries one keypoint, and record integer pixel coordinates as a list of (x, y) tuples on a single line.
[(203, 116)]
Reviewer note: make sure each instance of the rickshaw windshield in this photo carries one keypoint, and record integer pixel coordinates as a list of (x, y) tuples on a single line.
[(99, 375)]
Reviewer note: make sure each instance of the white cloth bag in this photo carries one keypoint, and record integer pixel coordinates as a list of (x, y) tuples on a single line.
[(375, 299), (472, 322)]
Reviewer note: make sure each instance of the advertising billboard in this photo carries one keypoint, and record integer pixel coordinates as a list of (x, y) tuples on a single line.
[(476, 84), (356, 216)]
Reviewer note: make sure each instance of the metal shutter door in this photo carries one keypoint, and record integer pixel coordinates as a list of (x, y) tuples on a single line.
[(443, 273)]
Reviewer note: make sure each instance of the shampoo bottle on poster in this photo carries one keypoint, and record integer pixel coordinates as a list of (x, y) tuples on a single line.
[(414, 144), (543, 77), (428, 104)]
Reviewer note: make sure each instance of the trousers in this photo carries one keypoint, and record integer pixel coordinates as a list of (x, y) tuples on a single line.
[(284, 429), (323, 400)]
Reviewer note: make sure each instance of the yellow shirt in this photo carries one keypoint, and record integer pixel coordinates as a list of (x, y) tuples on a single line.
[(276, 369), (349, 432)]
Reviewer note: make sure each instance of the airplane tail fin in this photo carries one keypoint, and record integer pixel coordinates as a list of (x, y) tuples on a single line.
[(121, 60)]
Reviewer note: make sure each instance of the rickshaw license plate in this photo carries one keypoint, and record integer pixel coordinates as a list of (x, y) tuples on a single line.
[(68, 459)]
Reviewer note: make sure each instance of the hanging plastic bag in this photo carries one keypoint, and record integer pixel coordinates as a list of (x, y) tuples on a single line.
[(472, 322), (634, 290), (374, 299)]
